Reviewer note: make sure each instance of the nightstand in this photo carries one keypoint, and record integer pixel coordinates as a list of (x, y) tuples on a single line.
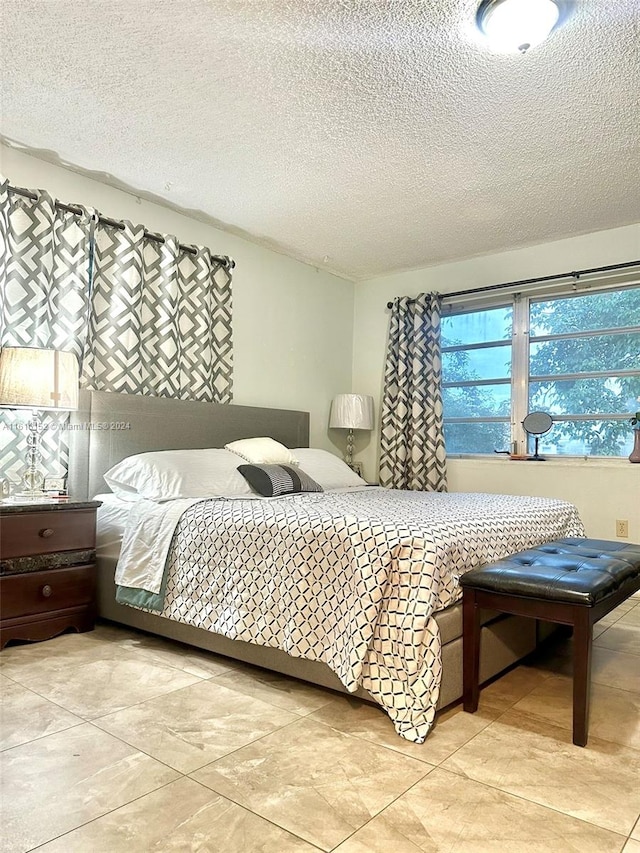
[(47, 569)]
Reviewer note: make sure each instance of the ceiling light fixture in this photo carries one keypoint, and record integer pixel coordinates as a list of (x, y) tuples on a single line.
[(517, 25)]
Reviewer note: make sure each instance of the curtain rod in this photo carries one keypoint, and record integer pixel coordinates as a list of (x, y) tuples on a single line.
[(509, 284), (227, 262)]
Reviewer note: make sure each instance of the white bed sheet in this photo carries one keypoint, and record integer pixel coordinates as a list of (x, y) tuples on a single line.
[(112, 519)]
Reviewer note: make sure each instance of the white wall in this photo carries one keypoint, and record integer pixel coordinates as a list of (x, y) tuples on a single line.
[(292, 323), (603, 491)]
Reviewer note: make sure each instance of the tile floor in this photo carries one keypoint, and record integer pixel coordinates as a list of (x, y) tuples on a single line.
[(118, 741)]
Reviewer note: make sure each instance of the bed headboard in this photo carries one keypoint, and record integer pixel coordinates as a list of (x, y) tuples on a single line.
[(108, 427)]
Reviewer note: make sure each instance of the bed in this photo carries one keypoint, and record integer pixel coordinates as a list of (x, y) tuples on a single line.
[(117, 426)]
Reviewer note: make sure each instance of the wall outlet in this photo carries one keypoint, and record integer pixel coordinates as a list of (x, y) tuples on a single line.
[(622, 528)]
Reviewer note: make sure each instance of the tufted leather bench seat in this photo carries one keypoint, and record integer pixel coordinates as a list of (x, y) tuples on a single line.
[(572, 581)]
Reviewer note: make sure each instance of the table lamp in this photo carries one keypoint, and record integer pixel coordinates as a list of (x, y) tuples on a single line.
[(37, 379), (351, 411)]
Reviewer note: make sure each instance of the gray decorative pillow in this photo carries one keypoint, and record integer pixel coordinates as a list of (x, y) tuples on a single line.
[(270, 481)]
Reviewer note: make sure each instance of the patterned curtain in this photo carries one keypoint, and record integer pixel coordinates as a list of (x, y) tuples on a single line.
[(412, 452), (44, 286), (160, 319), (44, 270), (143, 317)]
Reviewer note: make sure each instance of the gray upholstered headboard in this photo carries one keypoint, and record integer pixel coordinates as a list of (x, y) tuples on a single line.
[(108, 427)]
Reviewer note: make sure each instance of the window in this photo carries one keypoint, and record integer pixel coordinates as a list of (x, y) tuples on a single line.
[(476, 380), (574, 355)]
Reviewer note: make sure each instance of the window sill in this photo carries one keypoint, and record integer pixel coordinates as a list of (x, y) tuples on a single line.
[(550, 461)]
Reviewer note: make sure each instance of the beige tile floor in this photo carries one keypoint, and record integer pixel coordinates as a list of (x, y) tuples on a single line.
[(117, 741)]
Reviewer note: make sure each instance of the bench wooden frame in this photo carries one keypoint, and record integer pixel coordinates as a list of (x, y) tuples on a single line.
[(581, 617)]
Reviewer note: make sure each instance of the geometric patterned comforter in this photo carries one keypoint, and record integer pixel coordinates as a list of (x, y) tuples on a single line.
[(351, 579)]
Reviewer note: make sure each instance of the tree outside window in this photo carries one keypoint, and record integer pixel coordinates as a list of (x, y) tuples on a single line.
[(583, 353)]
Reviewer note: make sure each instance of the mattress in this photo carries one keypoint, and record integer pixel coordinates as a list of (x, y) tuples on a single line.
[(352, 580)]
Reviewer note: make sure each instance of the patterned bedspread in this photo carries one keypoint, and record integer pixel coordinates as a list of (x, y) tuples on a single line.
[(349, 579)]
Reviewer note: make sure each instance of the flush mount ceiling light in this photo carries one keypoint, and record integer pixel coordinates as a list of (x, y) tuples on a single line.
[(517, 25)]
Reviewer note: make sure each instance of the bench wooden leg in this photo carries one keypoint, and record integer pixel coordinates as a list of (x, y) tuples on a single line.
[(581, 674), (470, 651)]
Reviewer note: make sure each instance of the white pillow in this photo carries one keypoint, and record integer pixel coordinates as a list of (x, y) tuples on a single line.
[(168, 474), (327, 469), (262, 451)]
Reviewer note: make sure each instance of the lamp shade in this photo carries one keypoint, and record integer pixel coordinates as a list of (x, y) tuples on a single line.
[(33, 378), (351, 411)]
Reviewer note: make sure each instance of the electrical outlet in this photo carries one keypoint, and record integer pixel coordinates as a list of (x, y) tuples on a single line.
[(622, 528)]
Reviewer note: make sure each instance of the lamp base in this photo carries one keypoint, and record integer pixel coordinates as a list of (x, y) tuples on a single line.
[(349, 455), (33, 478)]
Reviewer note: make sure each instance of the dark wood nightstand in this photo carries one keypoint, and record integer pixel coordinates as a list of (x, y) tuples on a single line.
[(47, 569)]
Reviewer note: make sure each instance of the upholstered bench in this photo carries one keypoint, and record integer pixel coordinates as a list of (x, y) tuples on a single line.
[(572, 581)]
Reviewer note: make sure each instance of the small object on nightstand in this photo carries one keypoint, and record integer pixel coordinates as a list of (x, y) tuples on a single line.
[(47, 568), (55, 486)]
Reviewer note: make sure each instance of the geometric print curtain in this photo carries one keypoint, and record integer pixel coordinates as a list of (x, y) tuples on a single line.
[(412, 451), (159, 320), (141, 316), (44, 287), (44, 270)]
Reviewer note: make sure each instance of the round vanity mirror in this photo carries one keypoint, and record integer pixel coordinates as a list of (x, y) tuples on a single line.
[(536, 424)]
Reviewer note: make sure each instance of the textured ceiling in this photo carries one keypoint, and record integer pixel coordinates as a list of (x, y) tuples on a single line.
[(364, 136)]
